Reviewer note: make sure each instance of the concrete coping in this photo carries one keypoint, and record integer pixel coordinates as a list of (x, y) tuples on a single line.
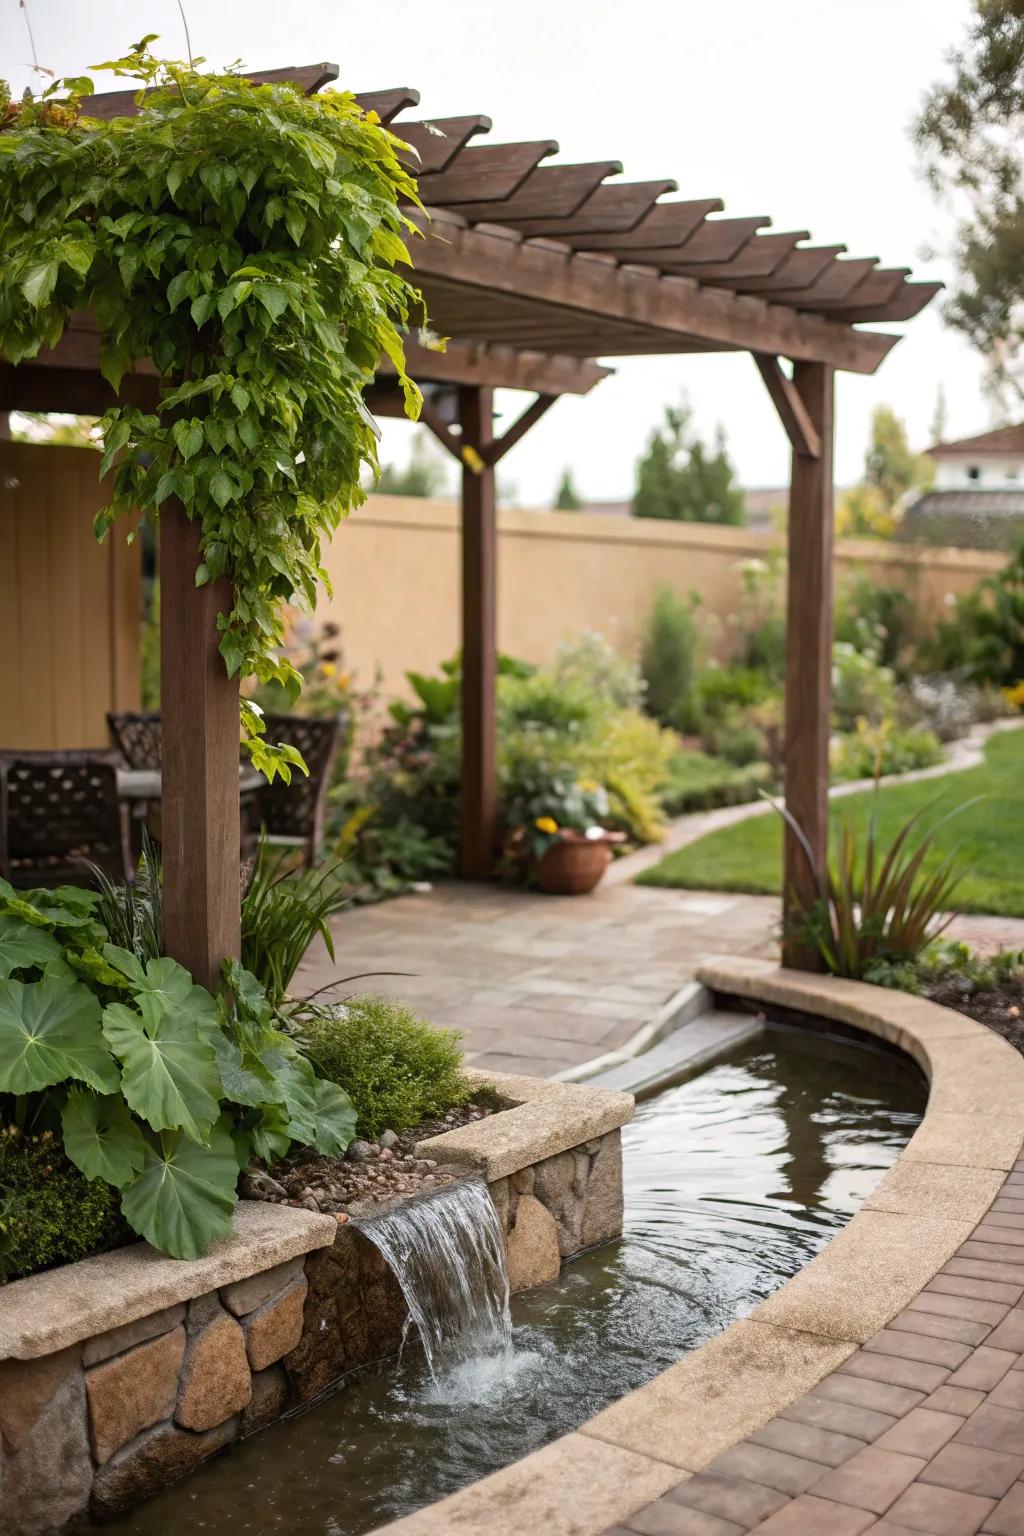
[(50, 1311), (906, 1231), (546, 1117)]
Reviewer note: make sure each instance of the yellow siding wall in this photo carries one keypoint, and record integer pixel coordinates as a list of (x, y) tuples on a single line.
[(69, 607)]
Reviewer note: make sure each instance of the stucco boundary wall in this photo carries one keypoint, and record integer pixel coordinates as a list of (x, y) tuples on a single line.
[(685, 1427), (123, 1372), (562, 573)]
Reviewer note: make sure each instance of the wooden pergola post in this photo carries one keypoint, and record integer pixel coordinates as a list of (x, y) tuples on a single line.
[(808, 643), (479, 801), (199, 811)]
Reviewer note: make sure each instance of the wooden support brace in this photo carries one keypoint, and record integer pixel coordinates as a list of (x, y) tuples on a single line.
[(800, 429), (199, 810), (497, 448), (808, 663)]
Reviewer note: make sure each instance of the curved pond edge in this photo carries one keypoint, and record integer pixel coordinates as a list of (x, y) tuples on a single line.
[(918, 1218)]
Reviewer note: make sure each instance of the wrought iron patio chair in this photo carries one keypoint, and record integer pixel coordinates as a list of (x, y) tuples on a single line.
[(59, 812), (138, 738), (293, 814)]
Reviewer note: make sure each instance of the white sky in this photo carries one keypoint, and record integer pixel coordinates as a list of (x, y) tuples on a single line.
[(798, 109)]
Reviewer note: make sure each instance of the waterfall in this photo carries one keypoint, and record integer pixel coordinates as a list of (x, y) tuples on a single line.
[(447, 1251)]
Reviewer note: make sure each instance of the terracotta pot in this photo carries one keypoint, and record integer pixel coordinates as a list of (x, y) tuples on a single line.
[(574, 865)]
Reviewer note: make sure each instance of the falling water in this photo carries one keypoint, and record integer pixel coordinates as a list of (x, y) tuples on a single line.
[(447, 1251)]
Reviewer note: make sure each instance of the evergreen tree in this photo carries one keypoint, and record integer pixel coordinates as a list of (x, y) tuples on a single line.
[(567, 498), (425, 474), (971, 137), (680, 478)]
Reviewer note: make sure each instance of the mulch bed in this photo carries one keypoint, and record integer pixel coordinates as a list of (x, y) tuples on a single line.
[(1000, 1008), (369, 1175)]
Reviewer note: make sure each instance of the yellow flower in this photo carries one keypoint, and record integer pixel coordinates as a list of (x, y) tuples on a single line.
[(1015, 696), (589, 786), (327, 669), (344, 679), (546, 824)]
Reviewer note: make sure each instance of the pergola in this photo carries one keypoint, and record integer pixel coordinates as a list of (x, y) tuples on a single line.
[(534, 270)]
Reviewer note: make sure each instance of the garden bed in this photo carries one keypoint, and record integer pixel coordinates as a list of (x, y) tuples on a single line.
[(124, 1371)]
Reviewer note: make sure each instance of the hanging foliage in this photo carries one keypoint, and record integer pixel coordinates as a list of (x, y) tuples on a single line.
[(242, 240)]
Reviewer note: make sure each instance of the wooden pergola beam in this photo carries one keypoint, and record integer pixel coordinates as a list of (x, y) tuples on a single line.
[(760, 257), (437, 142), (478, 803), (608, 210), (498, 262), (666, 226), (549, 192)]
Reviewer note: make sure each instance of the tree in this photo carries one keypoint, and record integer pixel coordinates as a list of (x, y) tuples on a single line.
[(424, 475), (891, 469), (567, 497), (680, 478), (970, 134)]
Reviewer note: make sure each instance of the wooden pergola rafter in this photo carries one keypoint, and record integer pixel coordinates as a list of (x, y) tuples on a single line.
[(534, 270)]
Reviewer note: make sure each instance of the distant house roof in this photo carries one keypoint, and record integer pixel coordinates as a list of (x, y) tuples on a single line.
[(965, 519), (1001, 440)]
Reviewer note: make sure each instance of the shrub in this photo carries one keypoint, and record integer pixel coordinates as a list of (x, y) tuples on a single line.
[(50, 1213), (698, 782), (396, 1069), (760, 622), (861, 689), (877, 905), (720, 690), (872, 750), (594, 664), (282, 913), (873, 618), (985, 639), (735, 738), (155, 1086), (949, 705), (669, 658)]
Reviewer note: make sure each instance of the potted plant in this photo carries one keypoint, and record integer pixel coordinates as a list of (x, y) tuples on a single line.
[(558, 837)]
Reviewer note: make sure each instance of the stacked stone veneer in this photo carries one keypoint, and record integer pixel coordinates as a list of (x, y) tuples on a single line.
[(93, 1427)]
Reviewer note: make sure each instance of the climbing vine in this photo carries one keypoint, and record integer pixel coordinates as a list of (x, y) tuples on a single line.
[(242, 240)]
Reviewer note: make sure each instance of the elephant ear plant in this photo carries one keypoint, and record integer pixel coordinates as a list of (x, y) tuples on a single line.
[(240, 241), (156, 1086)]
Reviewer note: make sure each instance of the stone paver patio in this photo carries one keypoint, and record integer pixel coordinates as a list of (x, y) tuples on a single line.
[(542, 984), (539, 984)]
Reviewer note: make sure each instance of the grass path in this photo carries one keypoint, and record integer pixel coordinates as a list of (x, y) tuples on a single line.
[(989, 835)]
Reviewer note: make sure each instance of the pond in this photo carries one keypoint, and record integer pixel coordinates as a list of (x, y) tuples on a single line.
[(733, 1181)]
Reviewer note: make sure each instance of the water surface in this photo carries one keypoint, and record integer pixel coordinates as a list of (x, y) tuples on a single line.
[(733, 1181)]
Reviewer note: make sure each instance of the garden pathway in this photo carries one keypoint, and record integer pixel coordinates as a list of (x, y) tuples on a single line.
[(541, 984)]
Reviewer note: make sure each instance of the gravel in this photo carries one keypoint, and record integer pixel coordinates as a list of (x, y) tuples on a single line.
[(370, 1173)]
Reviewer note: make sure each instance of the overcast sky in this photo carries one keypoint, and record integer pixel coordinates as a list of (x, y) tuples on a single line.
[(798, 109)]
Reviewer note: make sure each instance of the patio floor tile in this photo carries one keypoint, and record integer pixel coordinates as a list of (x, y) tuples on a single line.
[(941, 1511)]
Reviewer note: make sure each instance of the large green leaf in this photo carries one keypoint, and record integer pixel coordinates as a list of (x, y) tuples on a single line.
[(50, 1032), (23, 946), (168, 983), (101, 1138), (169, 1075), (185, 1195), (297, 1086), (335, 1119), (244, 1078)]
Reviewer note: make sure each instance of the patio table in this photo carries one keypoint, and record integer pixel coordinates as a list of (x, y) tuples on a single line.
[(146, 783)]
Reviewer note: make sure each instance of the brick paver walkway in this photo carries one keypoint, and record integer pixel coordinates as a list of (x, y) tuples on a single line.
[(922, 1430)]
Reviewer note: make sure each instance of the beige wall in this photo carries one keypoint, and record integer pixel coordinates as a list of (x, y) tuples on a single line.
[(69, 607), (394, 567)]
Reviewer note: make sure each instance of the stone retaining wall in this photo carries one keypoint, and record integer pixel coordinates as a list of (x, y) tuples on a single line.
[(123, 1372)]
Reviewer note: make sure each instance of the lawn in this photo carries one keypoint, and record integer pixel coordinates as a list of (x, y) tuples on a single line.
[(988, 835)]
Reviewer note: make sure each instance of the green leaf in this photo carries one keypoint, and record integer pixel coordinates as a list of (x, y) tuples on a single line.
[(24, 947), (335, 1119), (101, 1138), (243, 1077), (270, 1137), (40, 281), (169, 1075), (222, 488), (188, 436), (184, 1197), (49, 1032), (273, 299)]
